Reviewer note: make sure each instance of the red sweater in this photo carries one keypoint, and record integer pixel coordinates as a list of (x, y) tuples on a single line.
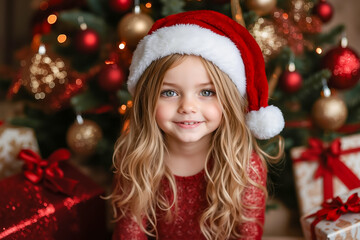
[(191, 203)]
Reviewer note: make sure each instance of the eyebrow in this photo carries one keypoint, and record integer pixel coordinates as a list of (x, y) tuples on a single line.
[(176, 85)]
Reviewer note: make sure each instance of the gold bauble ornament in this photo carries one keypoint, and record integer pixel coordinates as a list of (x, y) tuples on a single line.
[(329, 113), (261, 7), (264, 32), (83, 137), (133, 27)]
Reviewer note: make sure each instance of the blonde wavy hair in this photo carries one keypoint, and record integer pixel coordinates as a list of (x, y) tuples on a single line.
[(139, 158)]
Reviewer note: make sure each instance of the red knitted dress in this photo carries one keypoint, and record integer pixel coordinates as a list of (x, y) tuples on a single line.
[(191, 203)]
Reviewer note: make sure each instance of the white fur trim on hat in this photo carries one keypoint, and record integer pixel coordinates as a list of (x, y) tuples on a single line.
[(192, 40), (266, 122)]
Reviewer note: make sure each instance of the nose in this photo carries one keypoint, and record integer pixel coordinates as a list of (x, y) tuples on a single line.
[(188, 105)]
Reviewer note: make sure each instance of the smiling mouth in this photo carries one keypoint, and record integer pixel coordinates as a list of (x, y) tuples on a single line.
[(188, 124)]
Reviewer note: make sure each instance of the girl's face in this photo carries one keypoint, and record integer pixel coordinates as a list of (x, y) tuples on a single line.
[(188, 110)]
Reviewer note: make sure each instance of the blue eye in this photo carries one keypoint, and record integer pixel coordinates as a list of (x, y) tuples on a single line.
[(168, 93), (207, 93)]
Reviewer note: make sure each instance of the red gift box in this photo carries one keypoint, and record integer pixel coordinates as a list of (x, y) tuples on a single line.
[(32, 211)]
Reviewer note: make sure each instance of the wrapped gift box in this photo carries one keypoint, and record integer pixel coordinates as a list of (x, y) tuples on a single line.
[(347, 226), (12, 140), (309, 190), (31, 211)]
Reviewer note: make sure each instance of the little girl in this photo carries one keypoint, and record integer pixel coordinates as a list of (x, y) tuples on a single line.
[(188, 166)]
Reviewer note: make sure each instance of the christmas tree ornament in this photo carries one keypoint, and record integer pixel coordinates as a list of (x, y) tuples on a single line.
[(62, 98), (87, 41), (291, 80), (133, 27), (266, 36), (286, 28), (344, 64), (121, 6), (111, 77), (324, 10), (44, 75), (329, 112), (261, 7), (300, 12), (75, 85), (300, 7), (83, 136)]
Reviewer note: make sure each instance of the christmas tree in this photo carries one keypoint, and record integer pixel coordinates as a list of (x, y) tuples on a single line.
[(72, 75)]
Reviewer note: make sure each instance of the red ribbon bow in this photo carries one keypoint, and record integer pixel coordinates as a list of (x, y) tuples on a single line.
[(37, 169), (330, 164), (331, 211)]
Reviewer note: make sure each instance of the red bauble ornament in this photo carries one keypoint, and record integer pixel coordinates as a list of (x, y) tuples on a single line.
[(344, 64), (121, 5), (87, 41), (290, 82), (111, 77), (324, 10)]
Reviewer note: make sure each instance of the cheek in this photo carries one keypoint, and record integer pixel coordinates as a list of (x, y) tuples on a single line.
[(215, 113), (161, 114)]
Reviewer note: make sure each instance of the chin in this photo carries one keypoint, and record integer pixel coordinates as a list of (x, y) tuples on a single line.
[(192, 139)]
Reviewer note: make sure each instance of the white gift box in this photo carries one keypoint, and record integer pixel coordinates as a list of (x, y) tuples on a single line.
[(346, 227), (310, 190), (12, 140)]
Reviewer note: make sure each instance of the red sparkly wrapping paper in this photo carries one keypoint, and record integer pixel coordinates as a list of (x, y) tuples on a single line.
[(31, 211)]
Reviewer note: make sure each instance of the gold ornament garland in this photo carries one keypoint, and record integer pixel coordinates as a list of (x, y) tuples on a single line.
[(274, 79), (236, 12)]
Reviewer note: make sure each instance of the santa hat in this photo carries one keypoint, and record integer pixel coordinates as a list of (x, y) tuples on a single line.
[(219, 39)]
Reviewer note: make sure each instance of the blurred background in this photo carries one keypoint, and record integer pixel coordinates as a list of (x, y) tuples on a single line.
[(16, 21), (64, 64)]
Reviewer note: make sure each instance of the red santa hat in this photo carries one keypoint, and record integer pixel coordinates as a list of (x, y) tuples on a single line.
[(219, 39)]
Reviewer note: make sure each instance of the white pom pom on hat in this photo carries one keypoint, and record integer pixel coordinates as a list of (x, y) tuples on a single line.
[(219, 39)]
